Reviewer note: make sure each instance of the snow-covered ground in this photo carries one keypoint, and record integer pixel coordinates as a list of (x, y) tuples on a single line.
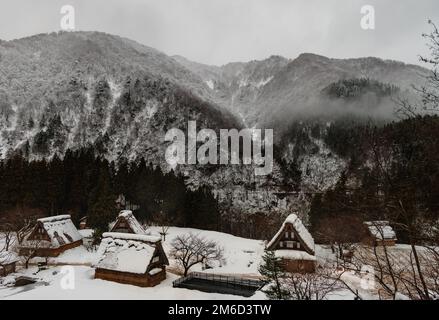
[(242, 258), (86, 287)]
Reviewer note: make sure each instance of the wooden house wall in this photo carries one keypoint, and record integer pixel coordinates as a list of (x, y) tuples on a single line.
[(39, 233), (121, 226), (289, 239), (6, 269), (299, 266), (50, 252), (371, 240), (140, 280)]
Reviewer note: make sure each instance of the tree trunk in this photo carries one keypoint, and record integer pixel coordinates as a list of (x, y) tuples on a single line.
[(418, 267)]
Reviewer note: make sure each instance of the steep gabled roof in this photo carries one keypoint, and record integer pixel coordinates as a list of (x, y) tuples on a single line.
[(126, 252), (60, 230), (130, 219), (301, 230)]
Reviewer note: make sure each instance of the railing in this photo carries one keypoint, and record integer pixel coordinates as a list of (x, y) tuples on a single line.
[(228, 280)]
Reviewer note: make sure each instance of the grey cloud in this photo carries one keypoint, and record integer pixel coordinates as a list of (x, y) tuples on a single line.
[(220, 31)]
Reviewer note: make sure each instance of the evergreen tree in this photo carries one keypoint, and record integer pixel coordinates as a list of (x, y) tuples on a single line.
[(55, 187), (273, 271), (102, 203)]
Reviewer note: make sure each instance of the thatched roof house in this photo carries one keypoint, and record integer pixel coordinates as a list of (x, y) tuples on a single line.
[(294, 245), (131, 259), (380, 233), (50, 237), (127, 223), (8, 261)]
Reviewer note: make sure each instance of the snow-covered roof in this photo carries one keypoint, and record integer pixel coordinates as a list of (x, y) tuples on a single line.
[(86, 233), (54, 218), (8, 257), (132, 221), (126, 252), (60, 230), (294, 255), (301, 230), (381, 230), (132, 236)]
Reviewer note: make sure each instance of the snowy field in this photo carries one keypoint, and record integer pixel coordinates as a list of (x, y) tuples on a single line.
[(86, 287), (242, 258)]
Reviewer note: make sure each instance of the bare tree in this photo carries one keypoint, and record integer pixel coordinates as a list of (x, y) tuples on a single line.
[(163, 222), (21, 225), (8, 236), (14, 229), (342, 233), (404, 211), (314, 286), (189, 250), (31, 250), (430, 92)]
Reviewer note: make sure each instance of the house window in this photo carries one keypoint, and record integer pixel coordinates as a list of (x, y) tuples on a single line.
[(298, 245), (290, 244), (156, 259), (281, 244), (289, 235)]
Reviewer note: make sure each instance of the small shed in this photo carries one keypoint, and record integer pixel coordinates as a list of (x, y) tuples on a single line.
[(131, 259), (83, 223), (50, 237), (8, 261), (295, 246), (379, 233), (127, 223)]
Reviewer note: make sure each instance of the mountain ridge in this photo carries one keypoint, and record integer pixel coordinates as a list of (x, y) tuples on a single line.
[(74, 90)]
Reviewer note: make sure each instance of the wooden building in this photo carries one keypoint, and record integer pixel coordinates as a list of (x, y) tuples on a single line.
[(83, 223), (131, 259), (379, 233), (127, 223), (50, 237), (8, 261), (295, 246)]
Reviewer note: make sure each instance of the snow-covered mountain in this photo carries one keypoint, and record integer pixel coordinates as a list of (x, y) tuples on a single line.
[(73, 90), (238, 85), (275, 92), (309, 94), (87, 89)]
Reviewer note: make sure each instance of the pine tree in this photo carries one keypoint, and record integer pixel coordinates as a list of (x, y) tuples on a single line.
[(272, 269), (55, 187), (102, 207)]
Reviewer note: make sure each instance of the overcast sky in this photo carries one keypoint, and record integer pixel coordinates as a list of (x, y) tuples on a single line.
[(221, 31)]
